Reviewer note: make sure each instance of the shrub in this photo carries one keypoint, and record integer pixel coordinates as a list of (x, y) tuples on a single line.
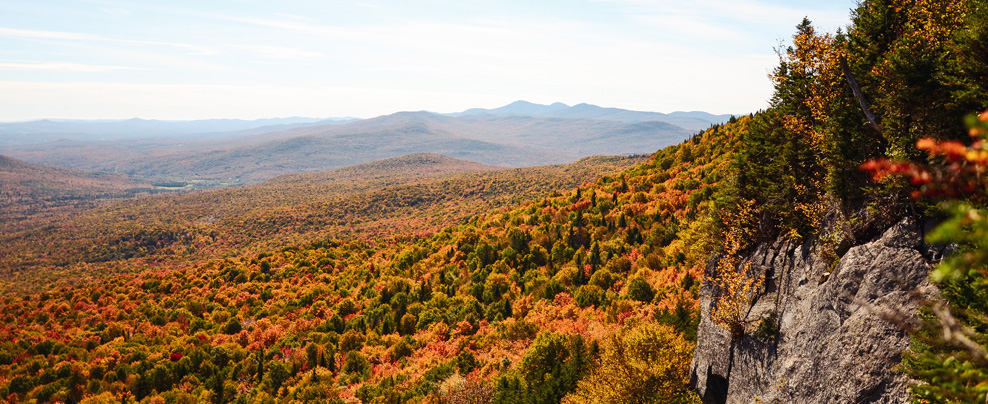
[(768, 328)]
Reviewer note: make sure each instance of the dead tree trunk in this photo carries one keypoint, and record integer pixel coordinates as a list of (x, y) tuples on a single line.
[(872, 121)]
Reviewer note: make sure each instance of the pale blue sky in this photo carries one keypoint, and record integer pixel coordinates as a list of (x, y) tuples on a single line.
[(259, 59)]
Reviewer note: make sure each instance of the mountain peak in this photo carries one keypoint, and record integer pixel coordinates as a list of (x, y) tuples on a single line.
[(542, 107), (689, 121)]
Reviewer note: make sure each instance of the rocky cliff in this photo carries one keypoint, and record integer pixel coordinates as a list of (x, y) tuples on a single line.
[(819, 331)]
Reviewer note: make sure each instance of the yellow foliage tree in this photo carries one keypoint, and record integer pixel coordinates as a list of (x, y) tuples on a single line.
[(734, 286), (648, 363)]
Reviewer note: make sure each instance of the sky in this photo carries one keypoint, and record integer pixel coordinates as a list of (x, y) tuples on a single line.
[(250, 59)]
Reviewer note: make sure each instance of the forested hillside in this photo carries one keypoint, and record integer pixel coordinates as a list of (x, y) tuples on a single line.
[(523, 287), (818, 179), (552, 299), (388, 199), (31, 191)]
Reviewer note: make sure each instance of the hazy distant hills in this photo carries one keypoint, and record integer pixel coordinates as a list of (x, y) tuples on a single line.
[(695, 120), (507, 141), (83, 130), (326, 147), (520, 134)]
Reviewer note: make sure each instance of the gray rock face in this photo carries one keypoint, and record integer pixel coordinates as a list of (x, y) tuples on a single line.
[(836, 341)]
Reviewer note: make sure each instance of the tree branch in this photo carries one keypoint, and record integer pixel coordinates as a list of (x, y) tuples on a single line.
[(872, 121), (955, 333)]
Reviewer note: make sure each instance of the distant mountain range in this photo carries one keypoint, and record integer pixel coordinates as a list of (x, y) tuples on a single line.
[(88, 130), (520, 134), (695, 120)]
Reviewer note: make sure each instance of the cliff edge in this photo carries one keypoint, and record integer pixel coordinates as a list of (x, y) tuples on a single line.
[(816, 336)]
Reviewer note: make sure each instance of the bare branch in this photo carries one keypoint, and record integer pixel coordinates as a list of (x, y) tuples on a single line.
[(872, 120), (955, 333)]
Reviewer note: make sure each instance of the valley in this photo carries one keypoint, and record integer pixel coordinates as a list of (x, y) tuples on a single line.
[(425, 226), (409, 195), (441, 268), (499, 140)]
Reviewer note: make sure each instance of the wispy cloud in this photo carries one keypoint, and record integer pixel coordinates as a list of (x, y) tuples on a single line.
[(730, 17), (280, 52), (73, 36), (365, 59), (62, 67), (26, 33), (292, 16), (312, 29), (114, 11), (194, 50), (371, 5)]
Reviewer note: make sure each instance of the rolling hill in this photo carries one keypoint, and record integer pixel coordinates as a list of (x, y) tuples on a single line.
[(44, 131), (506, 141), (409, 195), (27, 189), (714, 271), (494, 296), (695, 120)]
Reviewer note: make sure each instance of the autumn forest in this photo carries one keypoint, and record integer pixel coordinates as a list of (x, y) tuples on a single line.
[(432, 279)]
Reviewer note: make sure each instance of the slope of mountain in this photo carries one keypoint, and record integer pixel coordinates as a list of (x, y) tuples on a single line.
[(688, 120), (508, 141), (329, 151), (28, 189), (409, 195), (811, 273), (827, 265), (519, 300), (401, 168)]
